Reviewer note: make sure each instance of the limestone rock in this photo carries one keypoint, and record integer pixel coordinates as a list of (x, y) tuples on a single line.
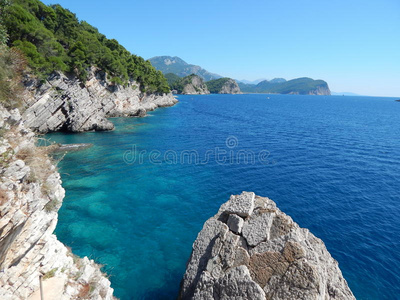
[(30, 196), (194, 85), (230, 87), (270, 258), (235, 223), (64, 103), (241, 205), (237, 284), (256, 230)]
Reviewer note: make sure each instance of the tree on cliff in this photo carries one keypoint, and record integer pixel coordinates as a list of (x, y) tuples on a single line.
[(3, 31), (52, 38)]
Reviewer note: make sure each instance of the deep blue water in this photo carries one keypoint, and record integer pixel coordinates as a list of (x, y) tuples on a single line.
[(332, 163)]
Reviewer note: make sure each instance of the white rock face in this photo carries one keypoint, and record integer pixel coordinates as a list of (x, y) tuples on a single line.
[(196, 86), (235, 223), (230, 87), (271, 258), (30, 196), (64, 103)]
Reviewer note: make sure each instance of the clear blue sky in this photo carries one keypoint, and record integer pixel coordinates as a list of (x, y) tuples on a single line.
[(352, 44)]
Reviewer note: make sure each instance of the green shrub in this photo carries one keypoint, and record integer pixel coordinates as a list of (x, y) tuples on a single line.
[(50, 274)]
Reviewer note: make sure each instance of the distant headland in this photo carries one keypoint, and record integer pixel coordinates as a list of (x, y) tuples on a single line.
[(174, 68)]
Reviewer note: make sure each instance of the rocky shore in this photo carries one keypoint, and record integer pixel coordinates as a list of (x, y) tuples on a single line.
[(252, 250), (30, 196), (64, 103)]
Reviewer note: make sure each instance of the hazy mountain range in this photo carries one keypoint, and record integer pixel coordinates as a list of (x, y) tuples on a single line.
[(174, 66)]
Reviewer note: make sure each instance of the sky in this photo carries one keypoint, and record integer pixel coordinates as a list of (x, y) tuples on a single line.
[(354, 45)]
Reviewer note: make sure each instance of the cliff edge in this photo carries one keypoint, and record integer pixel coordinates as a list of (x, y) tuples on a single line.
[(64, 103), (30, 196), (252, 250), (223, 86)]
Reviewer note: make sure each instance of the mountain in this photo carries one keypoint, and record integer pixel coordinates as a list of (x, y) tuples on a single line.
[(277, 80), (223, 86), (177, 66), (251, 82), (303, 86), (298, 86)]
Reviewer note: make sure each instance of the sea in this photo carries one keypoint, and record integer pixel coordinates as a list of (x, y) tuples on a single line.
[(137, 199)]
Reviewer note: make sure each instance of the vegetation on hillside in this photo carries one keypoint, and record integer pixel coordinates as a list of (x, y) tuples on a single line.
[(215, 86), (12, 63), (300, 86), (3, 30), (180, 84), (172, 78), (52, 38)]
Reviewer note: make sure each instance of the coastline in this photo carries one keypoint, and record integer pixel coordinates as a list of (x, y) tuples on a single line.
[(31, 195), (63, 104)]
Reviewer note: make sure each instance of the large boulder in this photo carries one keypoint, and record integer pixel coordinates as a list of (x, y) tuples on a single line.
[(252, 250)]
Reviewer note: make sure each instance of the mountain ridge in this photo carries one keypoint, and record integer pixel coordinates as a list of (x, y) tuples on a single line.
[(297, 86), (174, 64)]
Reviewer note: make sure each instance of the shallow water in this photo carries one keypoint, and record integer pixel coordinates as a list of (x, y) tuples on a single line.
[(332, 163)]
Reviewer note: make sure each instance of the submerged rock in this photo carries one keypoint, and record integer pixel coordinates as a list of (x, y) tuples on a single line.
[(56, 148), (252, 250)]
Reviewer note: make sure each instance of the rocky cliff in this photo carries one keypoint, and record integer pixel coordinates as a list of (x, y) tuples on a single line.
[(30, 196), (230, 87), (223, 86), (64, 103), (320, 90), (252, 250), (194, 85), (189, 85)]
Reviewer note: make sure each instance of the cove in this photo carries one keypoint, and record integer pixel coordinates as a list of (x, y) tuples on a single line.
[(330, 162)]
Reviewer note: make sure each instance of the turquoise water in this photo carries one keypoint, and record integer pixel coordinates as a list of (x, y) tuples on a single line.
[(332, 163)]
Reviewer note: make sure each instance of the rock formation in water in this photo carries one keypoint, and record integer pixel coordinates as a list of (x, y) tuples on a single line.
[(223, 86), (230, 87), (190, 85), (30, 196), (64, 103), (252, 250), (195, 86)]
